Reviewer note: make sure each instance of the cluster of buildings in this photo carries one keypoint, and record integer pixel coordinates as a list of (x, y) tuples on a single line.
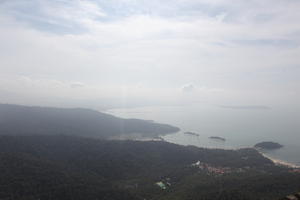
[(215, 170), (295, 170), (292, 197)]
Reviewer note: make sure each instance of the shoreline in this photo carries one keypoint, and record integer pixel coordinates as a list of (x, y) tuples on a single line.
[(280, 162), (277, 162), (161, 137)]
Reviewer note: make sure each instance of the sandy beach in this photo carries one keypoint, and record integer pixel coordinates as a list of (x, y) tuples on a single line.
[(281, 162)]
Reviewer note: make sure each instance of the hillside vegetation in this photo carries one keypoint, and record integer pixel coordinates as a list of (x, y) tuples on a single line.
[(25, 120), (75, 168), (64, 154)]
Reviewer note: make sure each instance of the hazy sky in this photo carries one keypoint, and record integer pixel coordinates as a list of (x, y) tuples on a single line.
[(230, 53)]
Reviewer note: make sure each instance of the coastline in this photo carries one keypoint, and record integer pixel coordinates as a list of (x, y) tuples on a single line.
[(280, 162), (277, 162)]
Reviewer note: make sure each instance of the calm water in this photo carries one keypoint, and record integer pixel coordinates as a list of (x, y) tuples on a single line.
[(240, 127)]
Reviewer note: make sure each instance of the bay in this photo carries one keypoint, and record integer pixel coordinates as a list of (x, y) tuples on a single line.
[(240, 127)]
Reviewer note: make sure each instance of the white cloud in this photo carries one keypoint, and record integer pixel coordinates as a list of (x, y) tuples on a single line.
[(77, 85), (76, 10), (188, 88), (126, 43)]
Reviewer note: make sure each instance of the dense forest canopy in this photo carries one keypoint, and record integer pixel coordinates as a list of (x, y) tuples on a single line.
[(64, 154), (71, 167), (226, 72)]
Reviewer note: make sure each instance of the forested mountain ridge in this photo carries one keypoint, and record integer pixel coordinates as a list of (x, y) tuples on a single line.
[(25, 120)]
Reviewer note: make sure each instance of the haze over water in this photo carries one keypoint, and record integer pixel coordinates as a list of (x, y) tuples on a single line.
[(240, 59), (240, 126)]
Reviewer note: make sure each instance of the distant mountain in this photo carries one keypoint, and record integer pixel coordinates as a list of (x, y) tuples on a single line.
[(25, 120)]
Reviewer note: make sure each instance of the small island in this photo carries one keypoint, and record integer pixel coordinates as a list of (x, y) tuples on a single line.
[(268, 145), (191, 133), (217, 138)]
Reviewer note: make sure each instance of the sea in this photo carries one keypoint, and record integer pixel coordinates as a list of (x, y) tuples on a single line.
[(240, 126)]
